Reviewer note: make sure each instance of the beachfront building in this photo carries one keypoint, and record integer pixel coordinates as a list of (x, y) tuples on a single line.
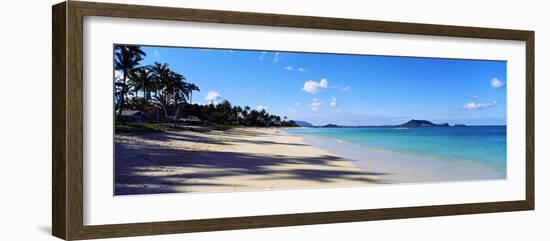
[(189, 119), (132, 115)]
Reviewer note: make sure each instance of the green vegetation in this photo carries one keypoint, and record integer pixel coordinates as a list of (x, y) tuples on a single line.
[(148, 127), (157, 94), (159, 127)]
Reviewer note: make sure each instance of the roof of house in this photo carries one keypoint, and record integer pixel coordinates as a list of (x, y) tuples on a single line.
[(190, 118), (130, 112)]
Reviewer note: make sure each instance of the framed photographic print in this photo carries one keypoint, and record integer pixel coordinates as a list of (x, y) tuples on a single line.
[(171, 120)]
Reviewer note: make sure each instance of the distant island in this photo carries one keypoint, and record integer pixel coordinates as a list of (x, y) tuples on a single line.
[(422, 123), (409, 124), (303, 123)]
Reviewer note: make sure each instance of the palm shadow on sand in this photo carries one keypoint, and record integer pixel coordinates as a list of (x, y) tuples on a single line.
[(129, 177)]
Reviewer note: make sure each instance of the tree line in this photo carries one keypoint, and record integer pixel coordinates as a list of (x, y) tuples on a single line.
[(163, 95)]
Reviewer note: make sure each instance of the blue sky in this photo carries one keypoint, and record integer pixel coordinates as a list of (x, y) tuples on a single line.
[(345, 89)]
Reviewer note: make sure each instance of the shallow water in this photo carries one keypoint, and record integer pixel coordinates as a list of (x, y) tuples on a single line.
[(481, 145), (417, 154)]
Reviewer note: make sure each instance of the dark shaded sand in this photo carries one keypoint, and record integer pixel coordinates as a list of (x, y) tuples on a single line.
[(236, 160)]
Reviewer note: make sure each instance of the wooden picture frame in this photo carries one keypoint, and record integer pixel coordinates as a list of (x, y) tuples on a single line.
[(67, 124)]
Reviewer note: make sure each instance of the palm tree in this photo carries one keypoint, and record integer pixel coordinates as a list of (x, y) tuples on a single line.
[(127, 58), (160, 74), (141, 79), (245, 112), (237, 110), (175, 86), (263, 115), (162, 101), (190, 88), (277, 120)]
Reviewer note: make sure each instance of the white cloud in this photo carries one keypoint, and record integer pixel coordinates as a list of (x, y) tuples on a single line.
[(297, 104), (315, 104), (292, 68), (345, 89), (333, 101), (156, 53), (313, 87), (212, 96), (478, 106), (261, 107), (496, 83)]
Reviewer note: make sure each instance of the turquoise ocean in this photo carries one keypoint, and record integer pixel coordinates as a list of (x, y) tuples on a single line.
[(477, 145)]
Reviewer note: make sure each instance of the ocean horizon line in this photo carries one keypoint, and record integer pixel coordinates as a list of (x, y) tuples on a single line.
[(391, 126)]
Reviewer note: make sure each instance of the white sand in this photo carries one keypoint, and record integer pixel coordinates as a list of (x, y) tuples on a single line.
[(235, 160)]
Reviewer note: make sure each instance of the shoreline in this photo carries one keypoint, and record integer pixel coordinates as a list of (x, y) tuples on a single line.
[(481, 158), (404, 167), (419, 155)]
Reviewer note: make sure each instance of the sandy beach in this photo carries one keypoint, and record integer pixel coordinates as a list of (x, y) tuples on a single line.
[(242, 159), (205, 134)]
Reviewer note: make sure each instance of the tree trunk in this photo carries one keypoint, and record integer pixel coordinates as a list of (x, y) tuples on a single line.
[(156, 98), (174, 109), (147, 94), (122, 95), (177, 112)]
